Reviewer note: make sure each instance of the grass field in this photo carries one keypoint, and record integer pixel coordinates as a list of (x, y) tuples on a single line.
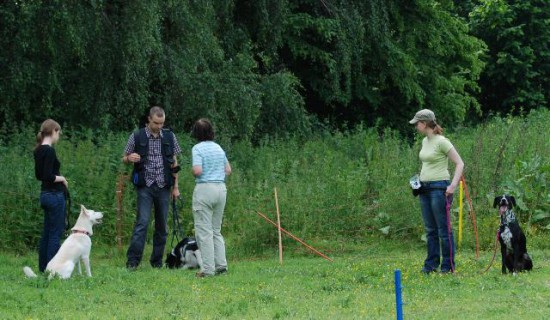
[(359, 284)]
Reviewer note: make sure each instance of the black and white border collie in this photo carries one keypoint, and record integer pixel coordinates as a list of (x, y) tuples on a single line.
[(513, 243), (186, 255)]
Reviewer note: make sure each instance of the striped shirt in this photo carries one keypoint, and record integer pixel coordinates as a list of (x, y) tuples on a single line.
[(153, 164), (211, 157)]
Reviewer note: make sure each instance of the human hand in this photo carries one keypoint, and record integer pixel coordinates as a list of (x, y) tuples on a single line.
[(175, 193), (133, 157), (450, 190)]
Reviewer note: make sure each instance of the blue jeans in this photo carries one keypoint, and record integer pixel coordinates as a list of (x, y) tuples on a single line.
[(53, 204), (147, 197), (438, 233)]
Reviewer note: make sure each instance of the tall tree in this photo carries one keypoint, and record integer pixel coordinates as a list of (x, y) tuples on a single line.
[(518, 62)]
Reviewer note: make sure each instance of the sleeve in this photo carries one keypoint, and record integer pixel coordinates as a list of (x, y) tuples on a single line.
[(445, 145), (47, 168), (130, 146), (177, 148), (196, 156)]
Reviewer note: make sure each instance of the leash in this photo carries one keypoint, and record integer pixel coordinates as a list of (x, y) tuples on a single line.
[(449, 231), (67, 209), (494, 255), (176, 225)]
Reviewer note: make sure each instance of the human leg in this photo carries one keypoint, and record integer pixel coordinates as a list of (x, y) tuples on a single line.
[(431, 263), (202, 216), (445, 232), (161, 203), (220, 261), (137, 243), (53, 204)]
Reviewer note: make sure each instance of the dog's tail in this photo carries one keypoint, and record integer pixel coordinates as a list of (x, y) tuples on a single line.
[(28, 272)]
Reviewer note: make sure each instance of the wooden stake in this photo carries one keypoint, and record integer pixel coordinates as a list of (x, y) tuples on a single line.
[(294, 237), (472, 213), (279, 227)]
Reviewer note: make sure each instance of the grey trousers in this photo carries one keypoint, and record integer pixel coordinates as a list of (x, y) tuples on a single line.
[(208, 206)]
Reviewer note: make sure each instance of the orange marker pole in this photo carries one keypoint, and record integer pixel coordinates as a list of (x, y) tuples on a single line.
[(294, 237), (472, 214)]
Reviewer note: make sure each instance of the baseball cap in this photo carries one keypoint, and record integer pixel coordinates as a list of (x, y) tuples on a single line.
[(423, 115)]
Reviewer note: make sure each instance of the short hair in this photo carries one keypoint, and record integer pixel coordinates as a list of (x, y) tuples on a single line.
[(203, 130), (156, 111)]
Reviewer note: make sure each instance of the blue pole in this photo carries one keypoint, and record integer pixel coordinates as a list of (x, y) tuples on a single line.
[(398, 301)]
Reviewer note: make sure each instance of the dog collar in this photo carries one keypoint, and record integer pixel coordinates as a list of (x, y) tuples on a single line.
[(82, 231)]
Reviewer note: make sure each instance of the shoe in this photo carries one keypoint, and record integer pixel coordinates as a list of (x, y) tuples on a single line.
[(428, 271), (131, 266), (202, 275), (221, 271), (446, 272), (156, 265)]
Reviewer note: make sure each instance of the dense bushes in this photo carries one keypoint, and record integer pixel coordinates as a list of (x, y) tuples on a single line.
[(334, 186)]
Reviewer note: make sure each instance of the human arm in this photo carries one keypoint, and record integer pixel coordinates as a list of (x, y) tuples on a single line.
[(129, 155), (48, 173), (227, 169), (175, 189), (459, 169), (196, 170)]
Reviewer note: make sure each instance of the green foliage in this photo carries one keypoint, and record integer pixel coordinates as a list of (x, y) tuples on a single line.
[(346, 185), (372, 61), (518, 61), (259, 69), (531, 188)]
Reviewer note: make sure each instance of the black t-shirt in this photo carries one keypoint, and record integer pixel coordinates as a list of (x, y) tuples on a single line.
[(46, 167)]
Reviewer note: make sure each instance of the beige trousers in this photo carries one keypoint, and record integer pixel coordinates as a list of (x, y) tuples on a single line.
[(208, 206)]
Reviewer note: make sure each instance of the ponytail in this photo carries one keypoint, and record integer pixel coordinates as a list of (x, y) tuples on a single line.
[(46, 129), (433, 125)]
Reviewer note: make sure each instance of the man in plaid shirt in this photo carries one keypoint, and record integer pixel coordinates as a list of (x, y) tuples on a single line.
[(153, 152)]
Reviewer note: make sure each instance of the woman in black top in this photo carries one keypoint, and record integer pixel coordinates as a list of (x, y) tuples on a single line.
[(52, 195)]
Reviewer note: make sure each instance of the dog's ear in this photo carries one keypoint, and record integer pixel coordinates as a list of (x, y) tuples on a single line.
[(496, 202), (512, 202), (83, 209)]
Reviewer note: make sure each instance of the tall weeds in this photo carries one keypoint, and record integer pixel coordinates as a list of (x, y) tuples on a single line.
[(341, 186)]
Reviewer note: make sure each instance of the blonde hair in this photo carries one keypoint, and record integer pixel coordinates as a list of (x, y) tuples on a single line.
[(46, 129)]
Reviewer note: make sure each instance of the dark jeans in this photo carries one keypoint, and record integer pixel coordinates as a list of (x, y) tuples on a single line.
[(53, 204), (438, 233), (147, 197)]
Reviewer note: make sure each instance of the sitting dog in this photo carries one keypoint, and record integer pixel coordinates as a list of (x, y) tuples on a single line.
[(185, 255), (513, 244), (75, 248)]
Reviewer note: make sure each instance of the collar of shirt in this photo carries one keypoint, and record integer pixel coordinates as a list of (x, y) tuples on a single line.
[(149, 133)]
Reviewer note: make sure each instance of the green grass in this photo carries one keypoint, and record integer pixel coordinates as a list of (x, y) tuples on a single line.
[(359, 284)]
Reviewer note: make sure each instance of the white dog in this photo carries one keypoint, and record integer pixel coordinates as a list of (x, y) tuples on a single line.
[(76, 247)]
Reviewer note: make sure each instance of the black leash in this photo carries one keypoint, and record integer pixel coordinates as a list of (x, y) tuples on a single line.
[(68, 206), (177, 230)]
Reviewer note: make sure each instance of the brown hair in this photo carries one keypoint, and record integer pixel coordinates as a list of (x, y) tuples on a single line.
[(433, 125), (203, 130), (46, 129), (156, 111)]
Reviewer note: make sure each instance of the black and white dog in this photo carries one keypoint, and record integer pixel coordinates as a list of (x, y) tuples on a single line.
[(185, 255), (513, 244)]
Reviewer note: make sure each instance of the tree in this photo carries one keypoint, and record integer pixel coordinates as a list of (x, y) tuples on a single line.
[(518, 62)]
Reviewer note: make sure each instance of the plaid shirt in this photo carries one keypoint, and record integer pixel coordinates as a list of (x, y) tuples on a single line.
[(153, 164)]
